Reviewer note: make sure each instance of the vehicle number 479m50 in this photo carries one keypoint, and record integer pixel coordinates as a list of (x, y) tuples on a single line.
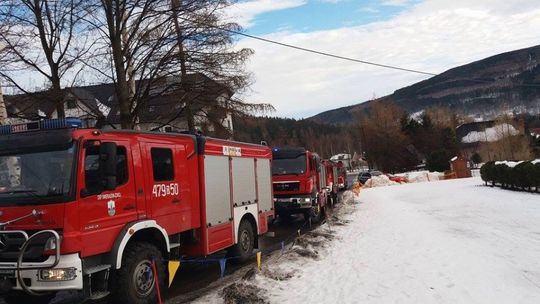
[(161, 190)]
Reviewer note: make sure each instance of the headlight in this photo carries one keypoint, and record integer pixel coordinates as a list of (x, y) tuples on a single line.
[(307, 200), (58, 274)]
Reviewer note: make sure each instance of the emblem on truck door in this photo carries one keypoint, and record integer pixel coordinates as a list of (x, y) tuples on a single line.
[(111, 207)]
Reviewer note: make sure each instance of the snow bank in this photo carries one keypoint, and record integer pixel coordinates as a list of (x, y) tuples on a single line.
[(422, 176), (447, 242), (495, 133), (379, 181), (349, 197), (536, 161)]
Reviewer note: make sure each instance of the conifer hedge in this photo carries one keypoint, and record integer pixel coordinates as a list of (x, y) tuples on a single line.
[(524, 176)]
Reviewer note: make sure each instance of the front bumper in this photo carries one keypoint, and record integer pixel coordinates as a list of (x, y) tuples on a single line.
[(293, 203), (31, 276)]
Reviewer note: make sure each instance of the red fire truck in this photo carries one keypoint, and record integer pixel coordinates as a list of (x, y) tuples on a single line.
[(299, 180), (332, 182), (90, 210)]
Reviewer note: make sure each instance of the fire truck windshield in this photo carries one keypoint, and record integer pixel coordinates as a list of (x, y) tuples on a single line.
[(36, 176), (283, 166)]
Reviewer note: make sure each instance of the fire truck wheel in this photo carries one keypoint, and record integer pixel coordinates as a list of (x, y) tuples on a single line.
[(134, 281), (316, 213), (20, 297), (246, 243)]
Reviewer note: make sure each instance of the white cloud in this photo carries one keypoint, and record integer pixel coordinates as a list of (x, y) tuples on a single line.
[(332, 1), (245, 12), (433, 36), (396, 2)]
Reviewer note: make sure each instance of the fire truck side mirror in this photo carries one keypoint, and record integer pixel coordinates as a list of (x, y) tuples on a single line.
[(107, 164)]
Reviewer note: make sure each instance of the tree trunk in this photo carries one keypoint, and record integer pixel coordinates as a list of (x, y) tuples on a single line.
[(175, 5), (3, 110), (115, 17), (59, 99)]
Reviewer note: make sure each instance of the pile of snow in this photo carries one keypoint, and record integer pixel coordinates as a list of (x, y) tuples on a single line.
[(349, 197), (422, 176), (536, 161), (495, 133), (446, 242), (379, 181)]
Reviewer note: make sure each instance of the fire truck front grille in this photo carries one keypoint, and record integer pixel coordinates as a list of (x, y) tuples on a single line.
[(295, 186), (10, 245)]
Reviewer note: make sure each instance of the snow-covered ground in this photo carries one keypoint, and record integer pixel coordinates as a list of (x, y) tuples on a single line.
[(450, 241)]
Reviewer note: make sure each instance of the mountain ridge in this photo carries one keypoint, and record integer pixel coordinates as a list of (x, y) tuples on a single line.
[(508, 81)]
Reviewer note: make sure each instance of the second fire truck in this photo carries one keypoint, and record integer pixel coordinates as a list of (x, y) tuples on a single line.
[(299, 182)]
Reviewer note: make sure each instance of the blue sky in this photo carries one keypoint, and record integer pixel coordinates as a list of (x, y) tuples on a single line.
[(318, 15)]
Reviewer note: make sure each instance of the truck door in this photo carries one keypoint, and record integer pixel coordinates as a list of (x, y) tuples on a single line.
[(102, 211), (167, 184)]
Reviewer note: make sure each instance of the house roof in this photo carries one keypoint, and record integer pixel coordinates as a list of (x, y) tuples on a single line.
[(165, 99), (480, 126)]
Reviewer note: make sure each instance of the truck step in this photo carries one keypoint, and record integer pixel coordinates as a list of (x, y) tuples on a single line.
[(98, 295), (96, 269)]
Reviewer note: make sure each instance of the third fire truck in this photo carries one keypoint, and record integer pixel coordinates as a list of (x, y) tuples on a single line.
[(96, 210)]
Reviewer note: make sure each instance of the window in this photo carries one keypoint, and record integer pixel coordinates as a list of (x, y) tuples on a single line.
[(162, 164), (94, 183)]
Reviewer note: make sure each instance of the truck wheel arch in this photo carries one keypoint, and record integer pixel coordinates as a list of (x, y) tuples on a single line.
[(134, 231)]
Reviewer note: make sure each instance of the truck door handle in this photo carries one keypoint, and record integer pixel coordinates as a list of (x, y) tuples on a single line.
[(175, 201)]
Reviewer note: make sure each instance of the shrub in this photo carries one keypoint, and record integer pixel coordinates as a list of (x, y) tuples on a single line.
[(502, 175), (476, 158), (536, 176), (438, 161), (522, 175), (487, 172)]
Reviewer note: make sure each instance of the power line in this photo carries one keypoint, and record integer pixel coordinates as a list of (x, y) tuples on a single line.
[(387, 66), (310, 50), (331, 55)]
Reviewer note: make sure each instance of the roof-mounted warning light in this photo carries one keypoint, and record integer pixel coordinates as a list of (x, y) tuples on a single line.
[(46, 124)]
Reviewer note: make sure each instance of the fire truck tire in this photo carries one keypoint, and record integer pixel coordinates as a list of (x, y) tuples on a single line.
[(132, 283), (315, 213), (20, 297), (242, 251)]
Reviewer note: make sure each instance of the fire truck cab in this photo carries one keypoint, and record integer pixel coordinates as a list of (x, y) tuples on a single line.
[(91, 210), (299, 180)]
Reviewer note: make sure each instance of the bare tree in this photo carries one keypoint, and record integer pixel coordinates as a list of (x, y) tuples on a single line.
[(137, 43), (154, 45), (205, 45), (47, 37)]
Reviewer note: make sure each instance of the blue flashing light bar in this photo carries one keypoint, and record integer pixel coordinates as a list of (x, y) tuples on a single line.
[(46, 124)]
